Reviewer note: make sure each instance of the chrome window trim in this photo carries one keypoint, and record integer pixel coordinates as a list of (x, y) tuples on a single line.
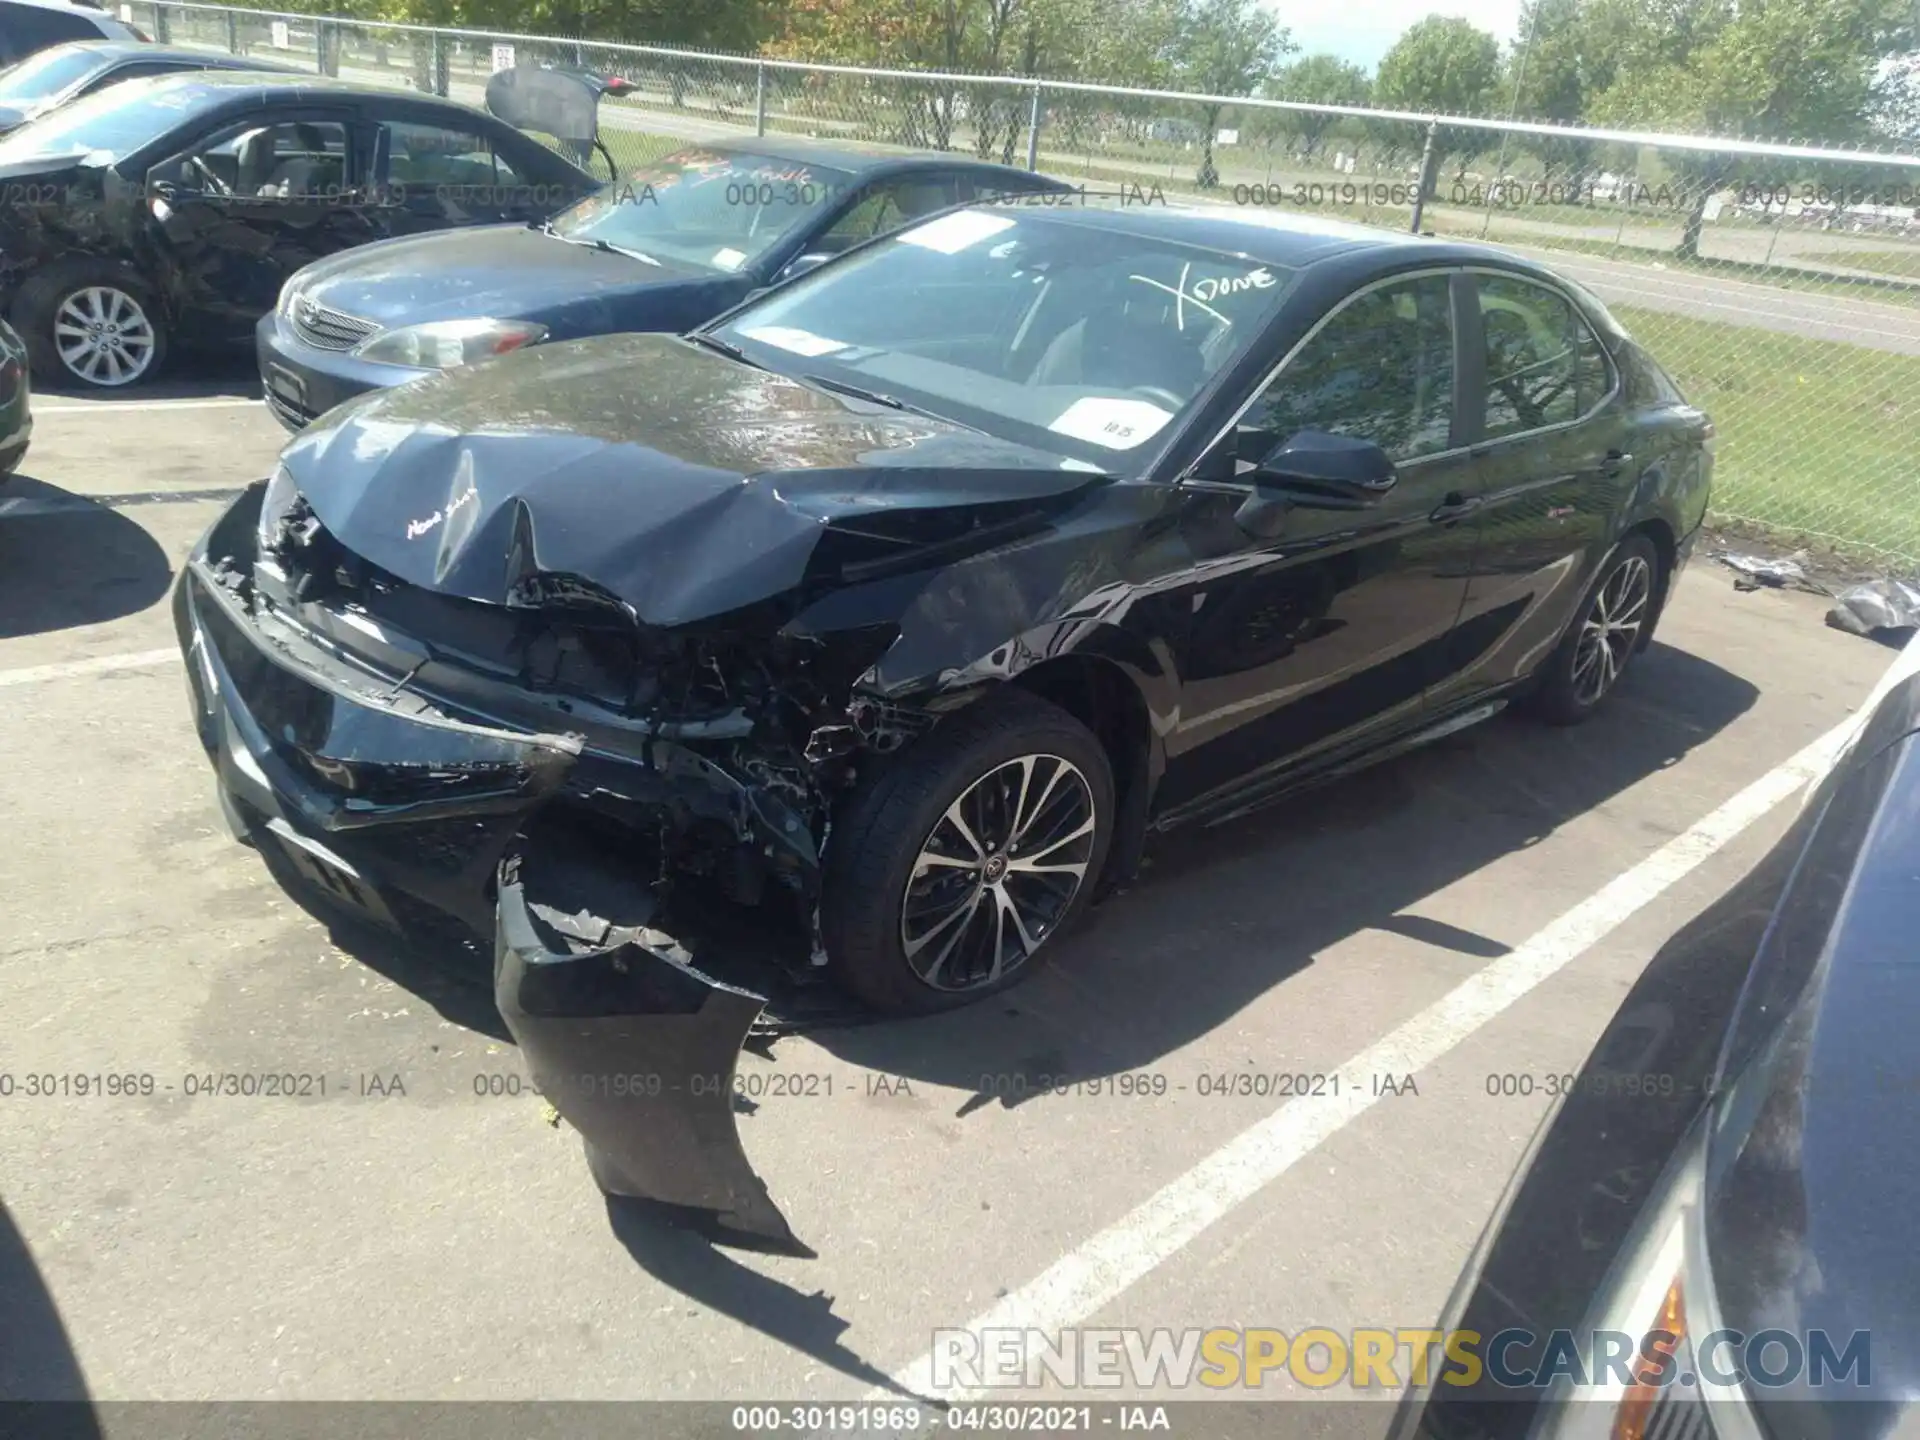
[(1483, 444), (1613, 369), (1399, 277)]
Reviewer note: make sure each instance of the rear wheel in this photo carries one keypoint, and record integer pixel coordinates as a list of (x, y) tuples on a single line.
[(1604, 637), (90, 325), (952, 872)]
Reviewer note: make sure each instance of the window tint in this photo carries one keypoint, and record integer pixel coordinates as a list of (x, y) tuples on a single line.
[(1381, 369), (888, 206), (435, 155), (1544, 364)]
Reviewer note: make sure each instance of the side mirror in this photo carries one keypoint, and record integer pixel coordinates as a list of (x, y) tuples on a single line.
[(1335, 472), (800, 265), (1315, 470)]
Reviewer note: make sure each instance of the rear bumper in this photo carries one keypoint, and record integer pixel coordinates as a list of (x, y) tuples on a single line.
[(302, 382)]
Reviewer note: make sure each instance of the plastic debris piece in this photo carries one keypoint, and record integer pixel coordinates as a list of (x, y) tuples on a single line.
[(1763, 571), (1876, 605)]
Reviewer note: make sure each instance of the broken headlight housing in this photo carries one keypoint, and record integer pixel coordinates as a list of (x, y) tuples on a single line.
[(440, 344), (274, 505)]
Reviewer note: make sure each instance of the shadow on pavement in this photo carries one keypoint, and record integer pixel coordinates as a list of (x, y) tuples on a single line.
[(675, 1249), (215, 374), (66, 560), (37, 1363), (435, 960), (1223, 915)]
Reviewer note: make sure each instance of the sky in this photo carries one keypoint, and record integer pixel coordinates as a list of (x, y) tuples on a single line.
[(1363, 30)]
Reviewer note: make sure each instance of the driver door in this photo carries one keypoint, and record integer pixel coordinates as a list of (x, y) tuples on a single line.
[(1327, 633), (243, 208)]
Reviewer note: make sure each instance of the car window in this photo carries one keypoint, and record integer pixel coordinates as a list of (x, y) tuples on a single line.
[(1381, 369), (1080, 341), (887, 206), (1544, 364), (28, 28), (717, 208), (430, 155), (290, 160), (49, 73), (139, 70)]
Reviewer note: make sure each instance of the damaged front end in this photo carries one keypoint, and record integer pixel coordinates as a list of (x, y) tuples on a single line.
[(591, 792)]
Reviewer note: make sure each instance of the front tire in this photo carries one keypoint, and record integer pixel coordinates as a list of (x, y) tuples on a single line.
[(90, 325), (1605, 635), (954, 867)]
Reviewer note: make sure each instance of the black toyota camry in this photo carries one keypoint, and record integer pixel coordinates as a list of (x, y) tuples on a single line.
[(902, 605)]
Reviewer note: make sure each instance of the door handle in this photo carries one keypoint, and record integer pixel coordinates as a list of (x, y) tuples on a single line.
[(1616, 461), (1455, 507)]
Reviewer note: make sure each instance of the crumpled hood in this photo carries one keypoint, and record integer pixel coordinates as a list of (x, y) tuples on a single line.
[(681, 483), (513, 272)]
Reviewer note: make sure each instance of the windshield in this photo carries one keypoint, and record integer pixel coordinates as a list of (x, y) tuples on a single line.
[(718, 209), (1083, 341), (118, 120), (47, 74)]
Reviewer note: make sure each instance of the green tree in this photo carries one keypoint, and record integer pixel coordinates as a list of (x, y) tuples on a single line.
[(1442, 65), (1225, 47), (1788, 70), (1318, 80)]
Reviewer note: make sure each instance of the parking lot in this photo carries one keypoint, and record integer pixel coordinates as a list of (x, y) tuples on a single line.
[(1470, 913)]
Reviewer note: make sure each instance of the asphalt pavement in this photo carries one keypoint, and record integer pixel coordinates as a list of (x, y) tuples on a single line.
[(1442, 926)]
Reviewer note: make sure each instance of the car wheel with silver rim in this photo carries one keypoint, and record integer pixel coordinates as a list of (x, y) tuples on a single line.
[(952, 871), (1610, 627), (91, 326)]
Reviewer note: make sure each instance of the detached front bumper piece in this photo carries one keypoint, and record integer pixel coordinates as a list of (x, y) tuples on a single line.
[(401, 807), (631, 1043)]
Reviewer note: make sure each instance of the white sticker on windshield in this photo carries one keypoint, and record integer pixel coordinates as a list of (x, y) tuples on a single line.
[(1116, 424), (729, 258), (789, 337), (951, 234)]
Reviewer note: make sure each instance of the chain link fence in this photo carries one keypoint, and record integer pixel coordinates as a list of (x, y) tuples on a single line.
[(1779, 284)]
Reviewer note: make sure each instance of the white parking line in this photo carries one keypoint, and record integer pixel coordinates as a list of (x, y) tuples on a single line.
[(98, 665), (1098, 1271), (116, 407)]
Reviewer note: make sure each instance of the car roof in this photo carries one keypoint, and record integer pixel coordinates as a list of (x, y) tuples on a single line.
[(146, 50), (295, 84), (866, 161), (1289, 238)]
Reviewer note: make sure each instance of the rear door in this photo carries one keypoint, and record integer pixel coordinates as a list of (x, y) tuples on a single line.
[(438, 174), (1550, 441)]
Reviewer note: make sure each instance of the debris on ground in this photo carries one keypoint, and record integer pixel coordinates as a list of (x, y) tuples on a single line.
[(1757, 570), (1876, 605)]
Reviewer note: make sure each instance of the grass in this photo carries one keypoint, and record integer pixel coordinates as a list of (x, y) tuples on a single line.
[(1815, 436), (1780, 276), (1902, 263)]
